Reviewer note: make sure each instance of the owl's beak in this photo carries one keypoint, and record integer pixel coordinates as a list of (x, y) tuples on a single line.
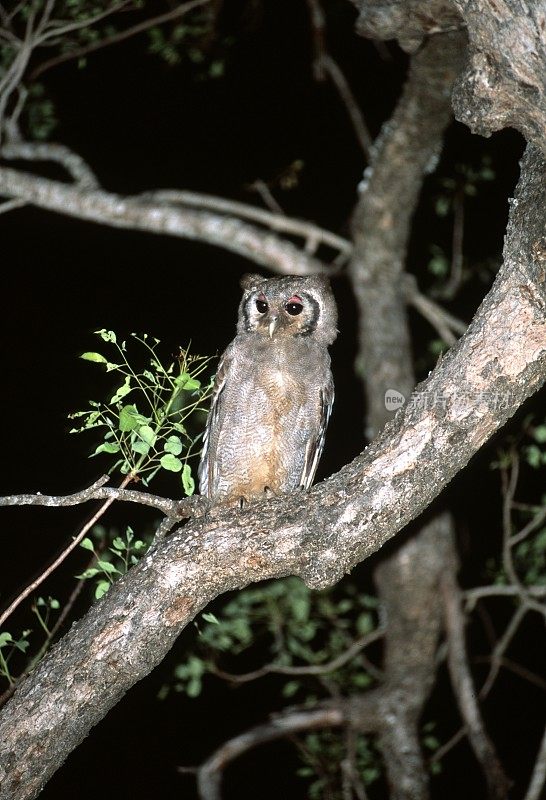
[(272, 326)]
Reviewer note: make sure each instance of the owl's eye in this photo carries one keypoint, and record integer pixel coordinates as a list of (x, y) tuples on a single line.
[(261, 304), (294, 306)]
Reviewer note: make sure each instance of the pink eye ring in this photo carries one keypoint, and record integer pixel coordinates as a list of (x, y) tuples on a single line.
[(294, 306)]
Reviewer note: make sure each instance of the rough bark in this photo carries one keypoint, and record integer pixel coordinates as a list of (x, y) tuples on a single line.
[(503, 84), (407, 581), (473, 390)]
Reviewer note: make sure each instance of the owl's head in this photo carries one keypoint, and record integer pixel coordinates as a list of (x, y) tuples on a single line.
[(291, 306)]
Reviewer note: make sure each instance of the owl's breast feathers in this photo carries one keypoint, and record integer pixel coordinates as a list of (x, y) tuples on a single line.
[(267, 429)]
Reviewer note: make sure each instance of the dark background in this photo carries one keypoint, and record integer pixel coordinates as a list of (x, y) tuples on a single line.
[(141, 125)]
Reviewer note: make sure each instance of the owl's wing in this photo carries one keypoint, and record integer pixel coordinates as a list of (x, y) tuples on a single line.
[(316, 444), (206, 469)]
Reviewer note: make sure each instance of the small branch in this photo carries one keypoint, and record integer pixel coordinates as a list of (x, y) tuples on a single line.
[(276, 221), (264, 191), (538, 778), (352, 784), (85, 50), (209, 774), (172, 508), (349, 101), (456, 275), (325, 66), (11, 205), (440, 319), (314, 669), (461, 680), (531, 526), (501, 647), (318, 25), (473, 595), (53, 632), (52, 567), (517, 669), (509, 485), (78, 169)]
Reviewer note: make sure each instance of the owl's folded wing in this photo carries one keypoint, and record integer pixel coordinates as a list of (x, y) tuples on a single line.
[(316, 444), (206, 471)]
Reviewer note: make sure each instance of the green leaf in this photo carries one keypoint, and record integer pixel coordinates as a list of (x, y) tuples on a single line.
[(208, 617), (106, 447), (5, 638), (107, 336), (186, 382), (187, 481), (364, 624), (539, 434), (22, 645), (96, 357), (87, 544), (129, 418), (147, 434), (289, 689), (171, 463), (101, 589), (119, 544), (108, 567), (173, 445), (89, 573), (122, 391), (54, 604), (140, 447), (193, 689)]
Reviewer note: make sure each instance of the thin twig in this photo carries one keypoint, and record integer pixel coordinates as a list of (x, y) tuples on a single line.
[(85, 50), (438, 317), (456, 276), (465, 693), (509, 485), (473, 595), (518, 669), (209, 774), (339, 80), (53, 632), (264, 191), (188, 506), (278, 222), (312, 669), (52, 567), (538, 778), (501, 647)]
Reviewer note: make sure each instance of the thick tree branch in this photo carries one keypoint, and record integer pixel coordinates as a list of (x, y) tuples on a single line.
[(229, 233), (407, 581), (503, 83)]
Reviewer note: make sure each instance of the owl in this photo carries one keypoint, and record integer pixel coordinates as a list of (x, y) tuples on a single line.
[(273, 391)]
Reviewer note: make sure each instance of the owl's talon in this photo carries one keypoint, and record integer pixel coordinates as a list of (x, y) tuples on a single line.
[(269, 493), (242, 502)]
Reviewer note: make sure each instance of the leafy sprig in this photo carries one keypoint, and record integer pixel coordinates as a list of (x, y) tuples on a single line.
[(153, 432)]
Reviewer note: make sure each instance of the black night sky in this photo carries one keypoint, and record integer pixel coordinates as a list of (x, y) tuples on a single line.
[(141, 124)]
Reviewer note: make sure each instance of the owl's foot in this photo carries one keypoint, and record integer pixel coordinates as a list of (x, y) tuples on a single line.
[(195, 506), (269, 493)]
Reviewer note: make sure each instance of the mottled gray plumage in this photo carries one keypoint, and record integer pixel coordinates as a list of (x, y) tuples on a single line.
[(273, 391)]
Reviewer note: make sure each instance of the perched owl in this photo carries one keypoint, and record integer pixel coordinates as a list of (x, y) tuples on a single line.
[(273, 391)]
